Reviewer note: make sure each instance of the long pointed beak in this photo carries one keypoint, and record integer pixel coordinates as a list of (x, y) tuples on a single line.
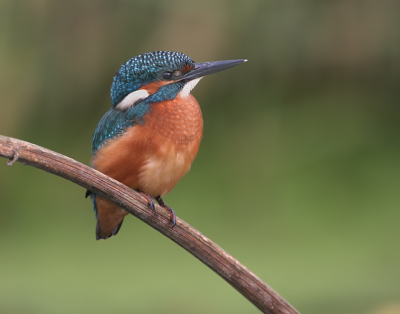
[(207, 68)]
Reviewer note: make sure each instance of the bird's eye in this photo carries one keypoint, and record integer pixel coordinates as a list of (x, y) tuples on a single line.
[(167, 75)]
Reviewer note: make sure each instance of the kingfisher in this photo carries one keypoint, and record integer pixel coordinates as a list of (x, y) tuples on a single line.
[(150, 136)]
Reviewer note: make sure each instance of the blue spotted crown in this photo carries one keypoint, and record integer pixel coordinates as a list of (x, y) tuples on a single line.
[(143, 69)]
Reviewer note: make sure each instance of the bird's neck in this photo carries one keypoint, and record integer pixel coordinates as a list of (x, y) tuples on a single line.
[(161, 91)]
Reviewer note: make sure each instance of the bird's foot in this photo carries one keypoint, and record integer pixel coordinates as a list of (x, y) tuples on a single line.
[(149, 200), (169, 209)]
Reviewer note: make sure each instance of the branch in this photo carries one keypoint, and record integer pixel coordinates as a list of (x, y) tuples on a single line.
[(236, 274)]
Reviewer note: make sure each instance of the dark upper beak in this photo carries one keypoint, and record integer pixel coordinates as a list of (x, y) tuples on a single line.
[(206, 68)]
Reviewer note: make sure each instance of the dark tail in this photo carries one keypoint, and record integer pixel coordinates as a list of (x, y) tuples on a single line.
[(113, 233), (100, 234)]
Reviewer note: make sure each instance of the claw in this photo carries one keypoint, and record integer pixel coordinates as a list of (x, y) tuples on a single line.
[(173, 216), (149, 199), (169, 209)]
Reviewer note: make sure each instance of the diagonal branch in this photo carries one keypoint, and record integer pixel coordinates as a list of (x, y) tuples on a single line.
[(225, 265)]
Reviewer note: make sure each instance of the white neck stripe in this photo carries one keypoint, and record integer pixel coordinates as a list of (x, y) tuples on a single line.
[(188, 87), (131, 98)]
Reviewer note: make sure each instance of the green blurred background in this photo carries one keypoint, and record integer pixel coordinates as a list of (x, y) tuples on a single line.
[(297, 175)]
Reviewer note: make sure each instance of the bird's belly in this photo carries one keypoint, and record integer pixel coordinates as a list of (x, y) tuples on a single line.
[(162, 171), (174, 130)]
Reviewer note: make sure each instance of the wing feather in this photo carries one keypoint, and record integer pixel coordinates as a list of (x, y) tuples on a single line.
[(115, 121)]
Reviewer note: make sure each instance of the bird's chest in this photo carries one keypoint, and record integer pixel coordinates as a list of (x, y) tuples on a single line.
[(173, 131), (176, 122)]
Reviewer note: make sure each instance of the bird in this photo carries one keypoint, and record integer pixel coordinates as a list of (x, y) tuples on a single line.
[(150, 136)]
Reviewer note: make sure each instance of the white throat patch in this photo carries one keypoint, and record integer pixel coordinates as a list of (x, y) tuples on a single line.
[(188, 87), (131, 98)]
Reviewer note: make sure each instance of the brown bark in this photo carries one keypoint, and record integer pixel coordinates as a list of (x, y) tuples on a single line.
[(236, 274)]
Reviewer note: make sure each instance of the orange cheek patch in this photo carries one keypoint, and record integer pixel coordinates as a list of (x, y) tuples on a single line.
[(153, 88)]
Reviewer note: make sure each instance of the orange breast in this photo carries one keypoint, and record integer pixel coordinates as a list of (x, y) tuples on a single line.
[(175, 128), (154, 156)]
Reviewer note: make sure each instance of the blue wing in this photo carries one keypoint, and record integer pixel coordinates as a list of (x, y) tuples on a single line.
[(112, 125), (115, 121)]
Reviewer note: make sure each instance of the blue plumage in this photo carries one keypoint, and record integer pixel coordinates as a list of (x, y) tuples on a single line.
[(114, 122), (144, 69)]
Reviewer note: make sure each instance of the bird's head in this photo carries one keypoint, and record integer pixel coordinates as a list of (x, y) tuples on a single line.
[(160, 75)]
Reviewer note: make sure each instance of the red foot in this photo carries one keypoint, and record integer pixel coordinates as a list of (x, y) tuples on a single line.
[(169, 209), (149, 200)]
